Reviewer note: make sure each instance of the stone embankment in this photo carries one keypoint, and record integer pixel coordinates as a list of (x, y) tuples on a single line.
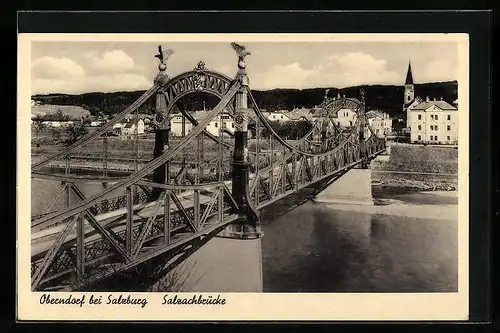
[(417, 168)]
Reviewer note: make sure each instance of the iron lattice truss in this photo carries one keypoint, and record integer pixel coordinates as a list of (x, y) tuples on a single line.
[(133, 221)]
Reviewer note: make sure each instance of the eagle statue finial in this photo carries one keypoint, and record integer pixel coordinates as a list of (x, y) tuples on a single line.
[(242, 52), (163, 57)]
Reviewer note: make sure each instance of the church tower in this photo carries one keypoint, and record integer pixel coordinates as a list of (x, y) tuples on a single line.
[(409, 88)]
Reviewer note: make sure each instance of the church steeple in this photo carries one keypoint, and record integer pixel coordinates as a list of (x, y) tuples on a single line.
[(409, 76), (409, 94)]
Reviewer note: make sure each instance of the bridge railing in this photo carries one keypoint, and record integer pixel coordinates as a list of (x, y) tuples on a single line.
[(172, 221)]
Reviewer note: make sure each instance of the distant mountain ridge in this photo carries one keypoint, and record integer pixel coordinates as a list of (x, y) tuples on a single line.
[(388, 98)]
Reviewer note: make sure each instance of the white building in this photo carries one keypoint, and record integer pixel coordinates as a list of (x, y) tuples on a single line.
[(55, 123), (277, 116), (176, 123), (119, 125), (380, 122), (346, 117), (295, 115), (130, 128), (95, 123), (433, 122), (227, 123)]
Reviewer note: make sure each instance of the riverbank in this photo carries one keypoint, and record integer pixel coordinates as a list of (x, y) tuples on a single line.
[(417, 168)]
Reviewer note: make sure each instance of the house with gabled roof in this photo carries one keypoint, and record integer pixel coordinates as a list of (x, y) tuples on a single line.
[(433, 122), (380, 122), (131, 128)]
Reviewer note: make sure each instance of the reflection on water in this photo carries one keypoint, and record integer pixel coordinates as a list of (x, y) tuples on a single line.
[(316, 248)]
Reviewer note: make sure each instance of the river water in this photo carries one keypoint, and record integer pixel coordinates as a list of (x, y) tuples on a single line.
[(407, 242)]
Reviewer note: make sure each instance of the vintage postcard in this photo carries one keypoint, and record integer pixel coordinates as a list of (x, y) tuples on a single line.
[(243, 177)]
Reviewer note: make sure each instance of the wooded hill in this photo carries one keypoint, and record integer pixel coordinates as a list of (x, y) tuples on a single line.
[(383, 97)]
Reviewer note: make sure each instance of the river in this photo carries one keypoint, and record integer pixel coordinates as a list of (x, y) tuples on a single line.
[(406, 242)]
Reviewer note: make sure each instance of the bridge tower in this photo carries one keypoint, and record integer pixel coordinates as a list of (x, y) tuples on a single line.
[(365, 164), (247, 226), (162, 133), (161, 174)]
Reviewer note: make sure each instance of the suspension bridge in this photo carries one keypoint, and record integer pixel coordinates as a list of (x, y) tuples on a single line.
[(139, 226)]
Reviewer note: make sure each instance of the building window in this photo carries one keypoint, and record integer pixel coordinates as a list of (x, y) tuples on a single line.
[(419, 127), (281, 117), (432, 116), (432, 127), (408, 98), (448, 117), (436, 117), (432, 137), (216, 124), (448, 127), (448, 138), (419, 138), (232, 125), (436, 127), (419, 117), (435, 137)]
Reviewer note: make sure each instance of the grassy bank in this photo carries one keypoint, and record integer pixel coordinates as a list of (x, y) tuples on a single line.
[(429, 168)]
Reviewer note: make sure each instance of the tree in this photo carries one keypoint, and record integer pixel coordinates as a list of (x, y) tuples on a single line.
[(37, 127), (74, 132)]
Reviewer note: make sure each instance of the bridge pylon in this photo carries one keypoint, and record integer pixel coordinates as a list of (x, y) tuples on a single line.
[(162, 132), (247, 225), (365, 162)]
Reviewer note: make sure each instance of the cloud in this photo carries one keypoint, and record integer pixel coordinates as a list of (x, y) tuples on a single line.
[(53, 68), (338, 70), (114, 61), (98, 83), (226, 70), (107, 72), (440, 70)]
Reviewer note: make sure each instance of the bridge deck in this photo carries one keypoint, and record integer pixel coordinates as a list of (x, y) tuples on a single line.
[(42, 240)]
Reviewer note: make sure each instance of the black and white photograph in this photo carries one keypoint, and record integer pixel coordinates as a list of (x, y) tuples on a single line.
[(250, 164)]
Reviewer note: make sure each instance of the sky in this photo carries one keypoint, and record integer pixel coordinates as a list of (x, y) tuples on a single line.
[(76, 67)]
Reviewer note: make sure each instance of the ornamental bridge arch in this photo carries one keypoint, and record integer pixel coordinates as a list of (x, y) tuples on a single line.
[(197, 80)]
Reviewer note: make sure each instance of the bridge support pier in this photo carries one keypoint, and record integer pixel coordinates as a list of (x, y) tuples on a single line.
[(353, 188), (365, 162)]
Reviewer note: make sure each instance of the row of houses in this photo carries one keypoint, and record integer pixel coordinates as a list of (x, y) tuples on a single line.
[(380, 121), (126, 128)]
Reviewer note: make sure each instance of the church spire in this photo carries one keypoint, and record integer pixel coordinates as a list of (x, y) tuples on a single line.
[(409, 76)]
